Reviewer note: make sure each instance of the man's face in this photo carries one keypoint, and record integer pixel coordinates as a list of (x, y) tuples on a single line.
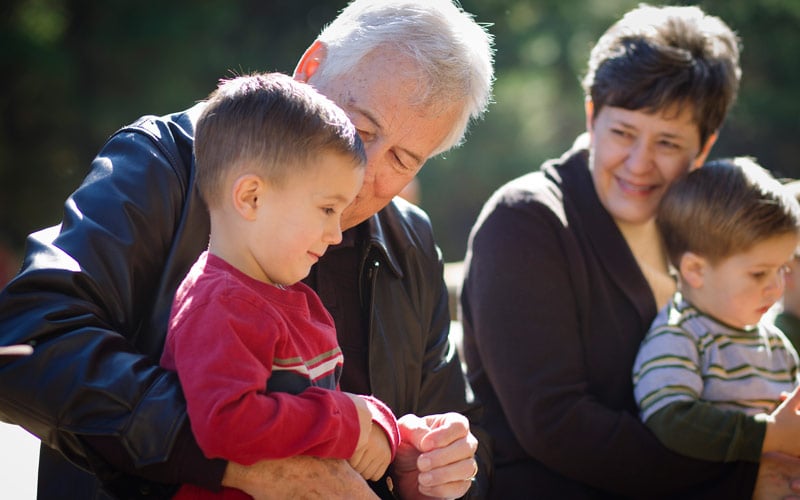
[(398, 137)]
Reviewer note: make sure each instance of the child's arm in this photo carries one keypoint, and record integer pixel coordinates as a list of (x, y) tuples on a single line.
[(700, 430), (373, 456), (667, 385)]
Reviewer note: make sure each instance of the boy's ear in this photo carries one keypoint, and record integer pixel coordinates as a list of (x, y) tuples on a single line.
[(692, 269), (248, 191)]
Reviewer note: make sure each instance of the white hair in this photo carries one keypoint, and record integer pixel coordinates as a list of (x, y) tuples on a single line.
[(452, 52)]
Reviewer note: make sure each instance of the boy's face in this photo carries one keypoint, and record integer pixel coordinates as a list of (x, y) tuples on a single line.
[(297, 221), (791, 292), (635, 156), (739, 289)]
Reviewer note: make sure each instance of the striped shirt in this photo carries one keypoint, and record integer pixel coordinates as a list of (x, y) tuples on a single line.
[(689, 356)]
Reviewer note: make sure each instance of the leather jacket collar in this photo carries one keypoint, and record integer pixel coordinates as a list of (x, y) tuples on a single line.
[(376, 238)]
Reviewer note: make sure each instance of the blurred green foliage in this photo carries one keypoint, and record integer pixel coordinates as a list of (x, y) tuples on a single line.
[(73, 71)]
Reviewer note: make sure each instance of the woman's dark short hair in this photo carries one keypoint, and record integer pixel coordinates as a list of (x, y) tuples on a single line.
[(655, 58)]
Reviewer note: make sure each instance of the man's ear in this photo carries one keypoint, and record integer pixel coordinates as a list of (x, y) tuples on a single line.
[(692, 269), (309, 63), (248, 191), (701, 158)]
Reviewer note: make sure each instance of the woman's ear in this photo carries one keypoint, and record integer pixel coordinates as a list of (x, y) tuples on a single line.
[(247, 193), (692, 269), (588, 107), (309, 63), (701, 158)]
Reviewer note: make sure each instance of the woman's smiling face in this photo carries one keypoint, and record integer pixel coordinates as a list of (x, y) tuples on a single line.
[(635, 156)]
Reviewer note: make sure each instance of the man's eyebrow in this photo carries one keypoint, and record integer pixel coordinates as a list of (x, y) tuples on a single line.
[(336, 198), (372, 118)]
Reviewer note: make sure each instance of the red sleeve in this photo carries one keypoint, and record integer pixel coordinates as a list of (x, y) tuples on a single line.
[(217, 354), (383, 416)]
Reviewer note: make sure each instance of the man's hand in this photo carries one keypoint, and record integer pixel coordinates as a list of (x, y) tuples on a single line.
[(435, 458), (298, 477), (778, 478)]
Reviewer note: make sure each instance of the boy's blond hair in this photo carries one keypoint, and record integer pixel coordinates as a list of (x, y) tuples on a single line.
[(724, 208), (271, 124)]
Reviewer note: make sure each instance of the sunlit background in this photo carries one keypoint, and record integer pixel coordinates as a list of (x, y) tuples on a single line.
[(75, 71)]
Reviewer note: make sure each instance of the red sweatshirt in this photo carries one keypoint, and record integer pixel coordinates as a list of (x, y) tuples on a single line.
[(259, 366)]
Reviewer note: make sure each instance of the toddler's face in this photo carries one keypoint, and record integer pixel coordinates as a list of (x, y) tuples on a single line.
[(791, 292), (738, 290), (296, 222)]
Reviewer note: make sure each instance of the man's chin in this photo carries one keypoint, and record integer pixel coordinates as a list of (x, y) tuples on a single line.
[(350, 221), (352, 218)]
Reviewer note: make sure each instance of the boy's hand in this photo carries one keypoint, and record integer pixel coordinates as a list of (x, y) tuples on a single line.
[(364, 420), (783, 427), (372, 459), (778, 477)]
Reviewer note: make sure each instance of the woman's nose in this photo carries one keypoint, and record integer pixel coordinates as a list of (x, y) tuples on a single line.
[(640, 158)]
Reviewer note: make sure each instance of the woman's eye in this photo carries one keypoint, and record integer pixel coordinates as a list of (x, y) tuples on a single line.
[(624, 134)]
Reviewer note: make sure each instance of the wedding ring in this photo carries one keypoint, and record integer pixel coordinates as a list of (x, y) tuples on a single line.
[(474, 472)]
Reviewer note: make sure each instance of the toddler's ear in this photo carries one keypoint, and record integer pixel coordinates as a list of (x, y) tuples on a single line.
[(692, 269), (247, 192)]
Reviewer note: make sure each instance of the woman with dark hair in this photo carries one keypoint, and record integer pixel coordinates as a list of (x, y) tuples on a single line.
[(565, 272)]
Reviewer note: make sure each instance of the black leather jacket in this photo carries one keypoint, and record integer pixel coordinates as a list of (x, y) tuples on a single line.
[(94, 296)]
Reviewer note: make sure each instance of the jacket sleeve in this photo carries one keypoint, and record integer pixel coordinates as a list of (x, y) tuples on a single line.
[(522, 314), (442, 386), (83, 297)]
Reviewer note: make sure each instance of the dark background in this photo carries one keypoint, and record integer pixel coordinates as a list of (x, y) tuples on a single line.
[(73, 71)]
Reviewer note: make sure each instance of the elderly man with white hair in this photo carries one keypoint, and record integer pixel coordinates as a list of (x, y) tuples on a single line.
[(94, 293)]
